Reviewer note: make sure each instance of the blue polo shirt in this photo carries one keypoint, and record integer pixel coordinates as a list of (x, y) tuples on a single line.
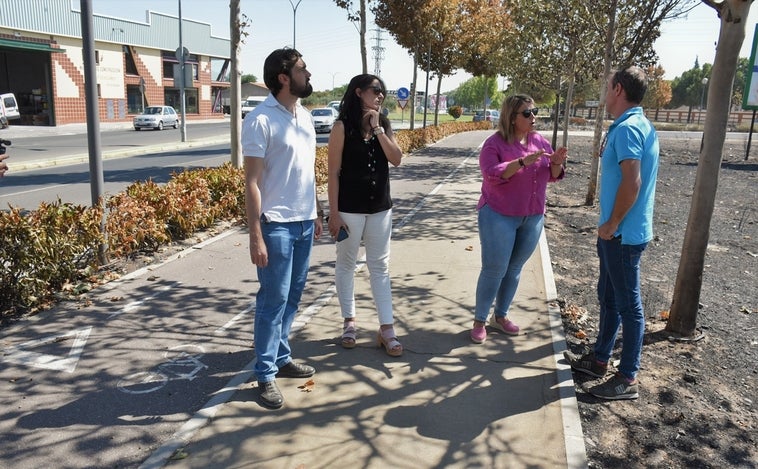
[(631, 136)]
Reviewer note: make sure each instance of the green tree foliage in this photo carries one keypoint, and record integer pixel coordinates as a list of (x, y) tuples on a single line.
[(248, 78), (687, 89)]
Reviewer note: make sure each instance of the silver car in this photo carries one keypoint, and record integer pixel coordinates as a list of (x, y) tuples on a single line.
[(157, 117), (323, 118)]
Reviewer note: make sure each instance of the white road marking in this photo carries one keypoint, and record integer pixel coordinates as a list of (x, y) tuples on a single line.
[(19, 354)]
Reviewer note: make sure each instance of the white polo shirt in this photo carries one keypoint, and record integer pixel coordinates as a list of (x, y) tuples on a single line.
[(287, 144)]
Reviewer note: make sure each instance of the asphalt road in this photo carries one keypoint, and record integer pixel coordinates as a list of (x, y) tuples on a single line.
[(51, 164)]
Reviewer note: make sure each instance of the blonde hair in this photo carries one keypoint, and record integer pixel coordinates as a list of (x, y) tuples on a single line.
[(508, 115)]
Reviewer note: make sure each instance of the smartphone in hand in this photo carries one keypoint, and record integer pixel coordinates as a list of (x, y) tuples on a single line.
[(342, 234)]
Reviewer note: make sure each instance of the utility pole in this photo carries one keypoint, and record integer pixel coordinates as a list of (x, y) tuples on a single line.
[(182, 58), (93, 120)]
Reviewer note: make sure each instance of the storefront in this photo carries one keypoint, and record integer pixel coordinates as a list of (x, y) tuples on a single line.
[(41, 62)]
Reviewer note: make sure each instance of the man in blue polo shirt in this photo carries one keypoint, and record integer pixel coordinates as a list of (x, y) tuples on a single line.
[(629, 168)]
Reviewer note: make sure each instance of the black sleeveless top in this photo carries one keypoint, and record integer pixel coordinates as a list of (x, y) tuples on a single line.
[(364, 176)]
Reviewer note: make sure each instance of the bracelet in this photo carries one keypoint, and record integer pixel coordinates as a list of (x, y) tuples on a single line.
[(521, 162), (378, 130)]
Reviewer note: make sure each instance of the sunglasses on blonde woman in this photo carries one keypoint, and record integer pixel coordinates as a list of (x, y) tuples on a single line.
[(527, 113)]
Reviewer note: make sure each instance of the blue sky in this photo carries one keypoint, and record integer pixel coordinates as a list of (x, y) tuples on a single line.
[(330, 44)]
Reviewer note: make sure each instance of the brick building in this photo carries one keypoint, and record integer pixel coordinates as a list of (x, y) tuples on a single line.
[(41, 62)]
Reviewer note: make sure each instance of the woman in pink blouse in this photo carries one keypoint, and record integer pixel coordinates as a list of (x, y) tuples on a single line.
[(516, 163)]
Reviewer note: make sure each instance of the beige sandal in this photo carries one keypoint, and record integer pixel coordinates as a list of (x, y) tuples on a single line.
[(390, 343), (348, 334)]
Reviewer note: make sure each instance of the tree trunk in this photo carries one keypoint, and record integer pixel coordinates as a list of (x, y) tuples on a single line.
[(437, 107), (412, 100), (684, 306), (235, 96), (608, 59), (364, 58)]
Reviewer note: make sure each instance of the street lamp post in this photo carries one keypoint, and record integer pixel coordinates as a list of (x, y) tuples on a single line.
[(702, 98), (294, 20)]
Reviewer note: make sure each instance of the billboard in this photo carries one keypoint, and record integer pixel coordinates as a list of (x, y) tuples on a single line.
[(750, 99)]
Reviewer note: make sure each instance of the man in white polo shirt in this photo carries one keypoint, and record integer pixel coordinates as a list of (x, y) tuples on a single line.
[(279, 145)]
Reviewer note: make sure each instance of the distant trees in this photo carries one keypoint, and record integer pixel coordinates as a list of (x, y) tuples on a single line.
[(658, 91)]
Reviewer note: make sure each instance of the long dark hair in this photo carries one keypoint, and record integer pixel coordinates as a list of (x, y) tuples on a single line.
[(351, 113)]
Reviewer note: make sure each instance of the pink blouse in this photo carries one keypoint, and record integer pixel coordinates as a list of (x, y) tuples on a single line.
[(522, 194)]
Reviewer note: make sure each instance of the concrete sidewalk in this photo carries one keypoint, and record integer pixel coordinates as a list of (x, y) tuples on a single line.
[(508, 403)]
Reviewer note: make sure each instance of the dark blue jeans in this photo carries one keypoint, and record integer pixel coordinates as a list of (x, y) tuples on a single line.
[(281, 285), (618, 291)]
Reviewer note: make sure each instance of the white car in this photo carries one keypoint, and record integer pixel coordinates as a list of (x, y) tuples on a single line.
[(250, 103), (157, 117), (323, 118), (335, 105)]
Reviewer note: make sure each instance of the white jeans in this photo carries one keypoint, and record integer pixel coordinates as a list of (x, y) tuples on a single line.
[(375, 230)]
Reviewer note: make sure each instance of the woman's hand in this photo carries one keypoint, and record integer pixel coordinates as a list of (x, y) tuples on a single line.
[(335, 222), (559, 157), (532, 158), (372, 116)]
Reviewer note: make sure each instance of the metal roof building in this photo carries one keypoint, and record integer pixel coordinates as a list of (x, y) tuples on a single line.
[(41, 63)]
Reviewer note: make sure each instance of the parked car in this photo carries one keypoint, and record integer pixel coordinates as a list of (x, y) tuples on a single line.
[(335, 105), (250, 104), (487, 115), (157, 117), (323, 118), (8, 109)]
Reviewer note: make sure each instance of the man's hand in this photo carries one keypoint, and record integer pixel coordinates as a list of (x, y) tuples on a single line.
[(3, 165)]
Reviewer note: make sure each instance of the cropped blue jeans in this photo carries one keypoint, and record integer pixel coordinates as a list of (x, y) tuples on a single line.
[(507, 243), (618, 292)]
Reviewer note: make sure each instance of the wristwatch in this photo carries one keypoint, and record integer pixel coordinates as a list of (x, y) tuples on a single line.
[(378, 130)]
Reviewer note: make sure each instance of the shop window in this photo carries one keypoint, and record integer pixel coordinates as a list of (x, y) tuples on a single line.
[(134, 100), (131, 66), (171, 97)]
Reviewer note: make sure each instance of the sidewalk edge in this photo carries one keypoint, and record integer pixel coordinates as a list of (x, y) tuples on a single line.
[(576, 453)]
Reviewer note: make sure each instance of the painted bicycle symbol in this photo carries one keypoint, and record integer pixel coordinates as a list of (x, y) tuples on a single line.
[(181, 364)]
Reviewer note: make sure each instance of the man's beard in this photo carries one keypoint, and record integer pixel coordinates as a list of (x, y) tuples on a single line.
[(301, 91)]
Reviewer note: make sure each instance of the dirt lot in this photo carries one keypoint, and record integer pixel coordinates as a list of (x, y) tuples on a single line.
[(698, 400)]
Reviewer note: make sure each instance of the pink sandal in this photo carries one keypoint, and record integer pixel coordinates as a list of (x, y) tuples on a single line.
[(348, 334), (387, 339)]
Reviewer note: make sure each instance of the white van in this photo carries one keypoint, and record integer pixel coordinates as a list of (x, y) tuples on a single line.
[(8, 109), (250, 103)]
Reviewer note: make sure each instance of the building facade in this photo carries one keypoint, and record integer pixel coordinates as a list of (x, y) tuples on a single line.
[(137, 64)]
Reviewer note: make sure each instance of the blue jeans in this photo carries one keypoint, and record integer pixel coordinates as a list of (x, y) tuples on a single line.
[(618, 291), (507, 243), (281, 285)]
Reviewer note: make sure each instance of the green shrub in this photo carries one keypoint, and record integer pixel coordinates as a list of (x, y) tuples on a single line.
[(54, 248)]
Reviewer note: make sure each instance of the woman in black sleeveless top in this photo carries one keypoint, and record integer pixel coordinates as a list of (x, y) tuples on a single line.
[(361, 148)]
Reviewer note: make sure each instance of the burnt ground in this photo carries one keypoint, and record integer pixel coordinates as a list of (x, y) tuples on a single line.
[(698, 399)]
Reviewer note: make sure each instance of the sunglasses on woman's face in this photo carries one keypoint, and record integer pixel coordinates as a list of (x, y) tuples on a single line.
[(527, 113), (376, 89)]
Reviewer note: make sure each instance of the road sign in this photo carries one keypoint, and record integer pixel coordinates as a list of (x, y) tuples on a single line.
[(402, 103), (402, 94)]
